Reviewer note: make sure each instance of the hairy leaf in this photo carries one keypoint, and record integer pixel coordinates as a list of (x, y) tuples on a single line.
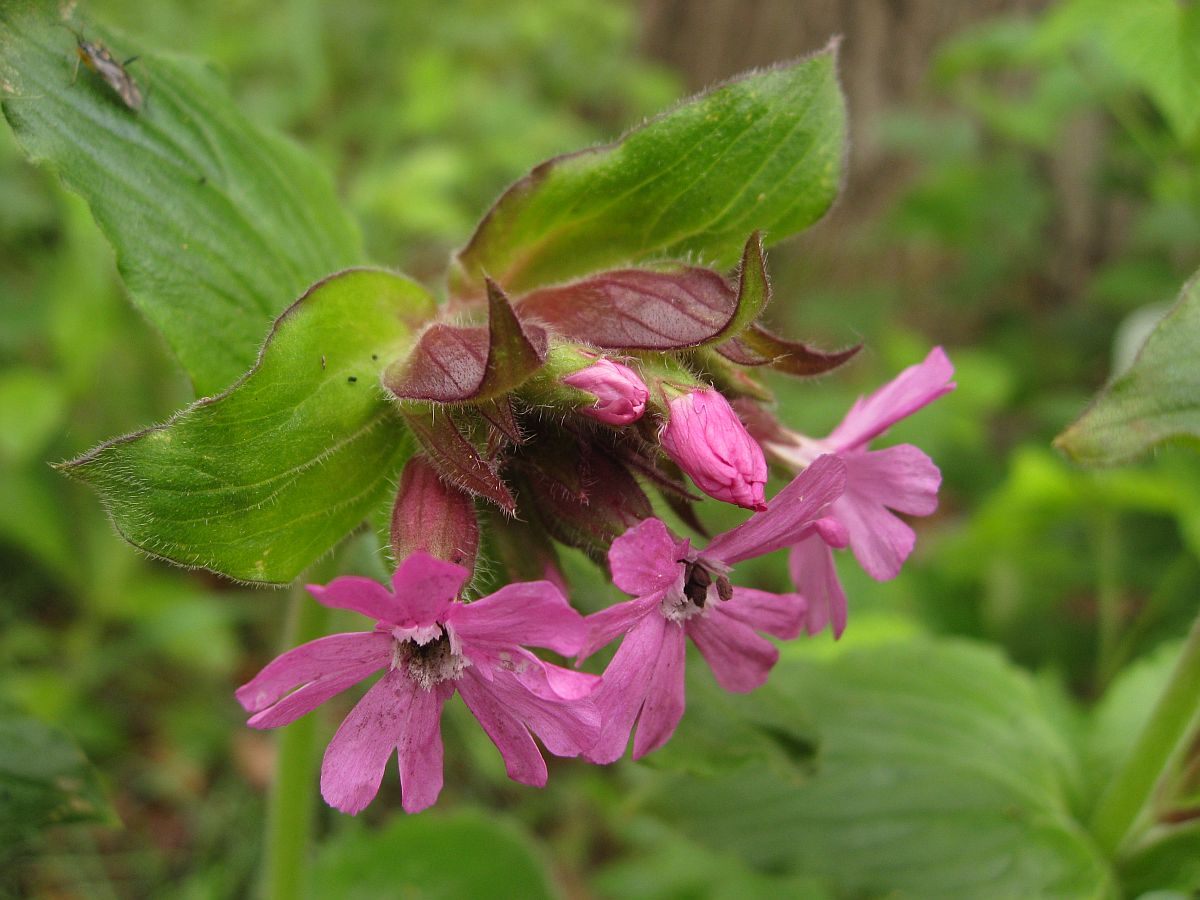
[(1156, 400), (644, 309), (761, 152), (455, 364), (758, 347), (217, 224), (260, 481), (457, 459)]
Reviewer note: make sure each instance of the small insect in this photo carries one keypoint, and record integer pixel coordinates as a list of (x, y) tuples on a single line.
[(96, 57)]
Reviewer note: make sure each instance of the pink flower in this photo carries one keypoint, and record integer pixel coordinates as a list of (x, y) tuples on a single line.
[(621, 394), (900, 479), (680, 593), (430, 645), (707, 439)]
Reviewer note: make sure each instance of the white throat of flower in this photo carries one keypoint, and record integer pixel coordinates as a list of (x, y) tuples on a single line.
[(430, 661), (703, 586), (798, 452)]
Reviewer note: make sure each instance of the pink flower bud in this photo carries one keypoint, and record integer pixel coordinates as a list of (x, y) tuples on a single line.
[(620, 394), (708, 441)]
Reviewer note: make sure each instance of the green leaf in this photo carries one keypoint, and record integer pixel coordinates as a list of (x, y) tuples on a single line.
[(44, 780), (722, 731), (432, 857), (1156, 400), (260, 481), (761, 152), (32, 405), (1155, 44), (217, 224), (937, 775)]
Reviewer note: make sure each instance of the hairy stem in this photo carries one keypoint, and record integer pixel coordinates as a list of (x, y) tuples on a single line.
[(292, 804), (1128, 793)]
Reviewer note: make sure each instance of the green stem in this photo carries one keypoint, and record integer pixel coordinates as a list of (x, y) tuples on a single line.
[(1108, 595), (291, 808), (1130, 790)]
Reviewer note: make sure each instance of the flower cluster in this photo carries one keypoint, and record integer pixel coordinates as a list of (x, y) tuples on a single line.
[(577, 486)]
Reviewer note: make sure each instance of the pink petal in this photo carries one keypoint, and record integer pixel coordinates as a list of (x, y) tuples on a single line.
[(915, 387), (740, 659), (566, 727), (790, 512), (357, 756), (832, 532), (624, 686), (813, 573), (425, 587), (552, 682), (781, 615), (320, 669), (645, 558), (420, 748), (619, 619), (532, 613), (902, 478), (362, 595), (708, 441), (522, 759), (665, 698)]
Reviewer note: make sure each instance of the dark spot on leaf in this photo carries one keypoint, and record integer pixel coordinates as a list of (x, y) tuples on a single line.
[(352, 379)]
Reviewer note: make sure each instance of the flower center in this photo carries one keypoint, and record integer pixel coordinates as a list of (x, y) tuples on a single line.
[(430, 663), (701, 585)]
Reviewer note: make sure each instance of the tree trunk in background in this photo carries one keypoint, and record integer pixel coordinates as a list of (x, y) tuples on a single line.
[(887, 49)]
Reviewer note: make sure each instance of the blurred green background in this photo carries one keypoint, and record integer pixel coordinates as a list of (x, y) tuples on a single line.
[(1023, 188)]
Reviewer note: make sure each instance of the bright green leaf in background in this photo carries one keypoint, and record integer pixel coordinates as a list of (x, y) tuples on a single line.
[(762, 152), (44, 780), (260, 481), (217, 224), (938, 775), (1156, 400), (433, 857), (1156, 43)]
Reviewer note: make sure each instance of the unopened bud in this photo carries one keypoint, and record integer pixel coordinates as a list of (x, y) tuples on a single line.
[(705, 437), (620, 393)]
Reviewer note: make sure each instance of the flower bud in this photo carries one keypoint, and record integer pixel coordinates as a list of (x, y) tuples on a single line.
[(706, 438), (620, 393)]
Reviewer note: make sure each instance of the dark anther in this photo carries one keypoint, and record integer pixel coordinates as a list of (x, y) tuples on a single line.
[(695, 583), (724, 588)]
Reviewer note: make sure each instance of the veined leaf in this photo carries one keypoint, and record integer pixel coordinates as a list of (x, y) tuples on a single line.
[(648, 309), (217, 224), (937, 774), (455, 364), (1156, 400), (260, 481), (761, 152), (758, 347)]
